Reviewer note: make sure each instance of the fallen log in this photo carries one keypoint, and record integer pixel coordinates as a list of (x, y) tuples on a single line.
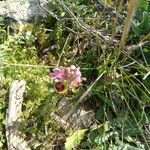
[(14, 140)]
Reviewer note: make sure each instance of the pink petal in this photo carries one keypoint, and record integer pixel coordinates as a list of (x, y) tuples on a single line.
[(57, 73), (72, 67)]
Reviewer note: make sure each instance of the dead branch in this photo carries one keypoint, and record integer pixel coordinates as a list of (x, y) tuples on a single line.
[(14, 141), (47, 11), (88, 28), (101, 6), (131, 48)]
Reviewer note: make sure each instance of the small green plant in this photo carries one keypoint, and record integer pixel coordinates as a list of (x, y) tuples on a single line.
[(73, 141), (143, 27)]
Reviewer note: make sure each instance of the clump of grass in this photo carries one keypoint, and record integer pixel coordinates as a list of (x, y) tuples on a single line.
[(120, 98)]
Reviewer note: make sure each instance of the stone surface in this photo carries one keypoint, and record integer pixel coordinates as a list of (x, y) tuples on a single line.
[(22, 10), (80, 118)]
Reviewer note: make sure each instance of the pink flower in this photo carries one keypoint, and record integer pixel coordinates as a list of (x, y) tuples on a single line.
[(71, 75)]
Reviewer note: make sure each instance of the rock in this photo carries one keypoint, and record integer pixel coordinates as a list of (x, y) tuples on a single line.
[(80, 118), (22, 10)]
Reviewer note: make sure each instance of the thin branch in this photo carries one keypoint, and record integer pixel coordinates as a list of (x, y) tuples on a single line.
[(46, 10), (108, 9), (87, 27), (131, 48)]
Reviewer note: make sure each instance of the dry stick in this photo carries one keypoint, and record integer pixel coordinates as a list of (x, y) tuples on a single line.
[(87, 27), (129, 49), (81, 99), (55, 16), (132, 6), (81, 23), (100, 5), (50, 12)]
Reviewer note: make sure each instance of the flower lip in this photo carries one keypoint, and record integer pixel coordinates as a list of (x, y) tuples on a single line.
[(61, 87)]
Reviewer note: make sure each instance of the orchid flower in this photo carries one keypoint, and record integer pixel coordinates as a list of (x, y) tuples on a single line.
[(66, 77)]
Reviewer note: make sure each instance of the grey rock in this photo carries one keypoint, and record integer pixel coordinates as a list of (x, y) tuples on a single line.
[(22, 10)]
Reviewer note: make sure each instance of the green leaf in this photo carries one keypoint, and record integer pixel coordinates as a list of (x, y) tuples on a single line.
[(92, 135), (74, 140), (103, 138), (137, 30), (143, 4), (144, 24)]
